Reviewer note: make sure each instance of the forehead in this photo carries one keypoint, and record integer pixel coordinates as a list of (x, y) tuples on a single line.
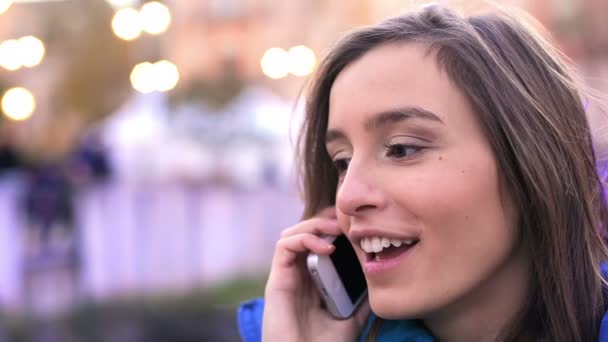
[(395, 76)]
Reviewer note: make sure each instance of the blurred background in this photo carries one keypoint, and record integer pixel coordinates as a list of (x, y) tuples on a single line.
[(146, 153)]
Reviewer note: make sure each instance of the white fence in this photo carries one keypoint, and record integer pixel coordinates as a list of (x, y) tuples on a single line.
[(162, 237)]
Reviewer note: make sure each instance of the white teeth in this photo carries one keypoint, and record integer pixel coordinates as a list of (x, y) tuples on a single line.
[(376, 244), (365, 245)]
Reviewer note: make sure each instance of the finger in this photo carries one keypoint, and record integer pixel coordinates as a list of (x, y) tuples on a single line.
[(317, 226), (287, 249), (313, 294), (329, 212)]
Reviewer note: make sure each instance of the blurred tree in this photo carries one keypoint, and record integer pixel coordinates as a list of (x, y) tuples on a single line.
[(214, 93), (95, 81)]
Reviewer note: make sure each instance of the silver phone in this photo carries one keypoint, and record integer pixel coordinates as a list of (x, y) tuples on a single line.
[(339, 278)]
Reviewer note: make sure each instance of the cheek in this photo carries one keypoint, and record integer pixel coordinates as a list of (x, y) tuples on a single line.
[(343, 222), (469, 229), (457, 202), (455, 187), (464, 206), (468, 233)]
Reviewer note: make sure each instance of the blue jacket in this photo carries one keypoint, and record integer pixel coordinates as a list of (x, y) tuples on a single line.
[(249, 318), (250, 313)]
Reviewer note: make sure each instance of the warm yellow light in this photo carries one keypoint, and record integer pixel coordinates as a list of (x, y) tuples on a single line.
[(126, 24), (155, 17), (5, 5), (26, 51), (10, 55), (18, 104), (147, 77), (142, 77), (166, 75), (302, 60), (31, 51), (275, 63)]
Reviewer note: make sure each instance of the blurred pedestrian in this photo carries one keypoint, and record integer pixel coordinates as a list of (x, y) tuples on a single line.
[(90, 162), (9, 155), (47, 202)]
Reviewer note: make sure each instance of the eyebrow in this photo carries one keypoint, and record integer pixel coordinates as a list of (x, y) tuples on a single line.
[(388, 117)]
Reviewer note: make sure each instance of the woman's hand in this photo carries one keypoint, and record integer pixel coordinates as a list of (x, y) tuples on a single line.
[(293, 305)]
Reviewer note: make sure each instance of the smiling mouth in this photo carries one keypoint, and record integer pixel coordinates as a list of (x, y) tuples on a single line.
[(390, 252)]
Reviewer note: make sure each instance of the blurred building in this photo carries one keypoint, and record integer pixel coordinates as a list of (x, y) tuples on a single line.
[(210, 40), (207, 34)]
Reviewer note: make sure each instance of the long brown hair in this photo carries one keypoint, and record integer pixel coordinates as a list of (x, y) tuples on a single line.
[(531, 111)]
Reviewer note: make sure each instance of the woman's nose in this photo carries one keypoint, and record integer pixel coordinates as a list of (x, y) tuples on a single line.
[(359, 191)]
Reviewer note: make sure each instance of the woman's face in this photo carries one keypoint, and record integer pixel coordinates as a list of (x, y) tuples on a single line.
[(418, 175)]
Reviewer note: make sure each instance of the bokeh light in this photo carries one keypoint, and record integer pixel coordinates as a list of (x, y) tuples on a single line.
[(18, 104), (142, 77), (10, 57), (155, 17), (31, 50), (275, 63), (126, 24), (147, 77), (166, 75), (302, 60), (5, 5), (27, 51)]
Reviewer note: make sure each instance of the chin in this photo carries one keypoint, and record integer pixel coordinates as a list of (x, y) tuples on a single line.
[(394, 306)]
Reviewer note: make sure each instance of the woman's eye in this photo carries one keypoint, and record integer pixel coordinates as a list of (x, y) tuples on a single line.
[(401, 150), (341, 164)]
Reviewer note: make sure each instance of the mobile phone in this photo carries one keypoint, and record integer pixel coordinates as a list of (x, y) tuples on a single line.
[(339, 278)]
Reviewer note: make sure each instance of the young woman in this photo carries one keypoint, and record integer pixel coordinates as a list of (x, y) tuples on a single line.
[(465, 137)]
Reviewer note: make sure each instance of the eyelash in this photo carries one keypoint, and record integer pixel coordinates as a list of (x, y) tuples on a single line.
[(391, 148), (341, 164)]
